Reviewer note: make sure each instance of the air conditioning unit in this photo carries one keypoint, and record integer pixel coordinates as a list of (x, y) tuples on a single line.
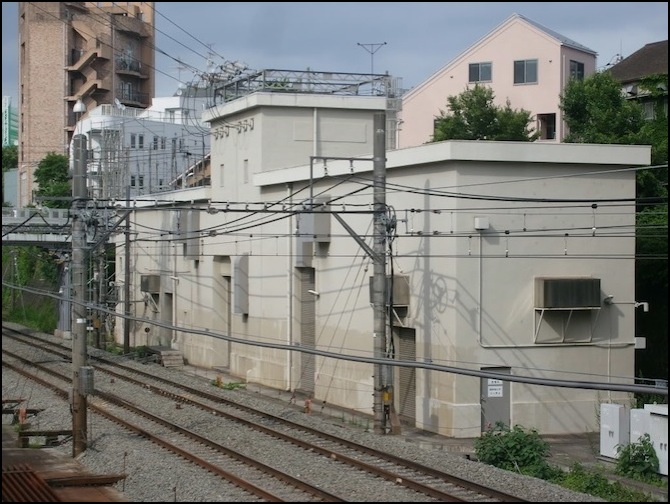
[(150, 284), (567, 293), (400, 290)]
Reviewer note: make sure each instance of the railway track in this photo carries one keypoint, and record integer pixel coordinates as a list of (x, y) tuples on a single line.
[(371, 466)]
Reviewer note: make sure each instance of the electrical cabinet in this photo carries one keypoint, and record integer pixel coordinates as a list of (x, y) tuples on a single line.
[(614, 428), (639, 424), (658, 433)]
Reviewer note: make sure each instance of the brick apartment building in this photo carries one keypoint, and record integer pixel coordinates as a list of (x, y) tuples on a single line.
[(99, 52)]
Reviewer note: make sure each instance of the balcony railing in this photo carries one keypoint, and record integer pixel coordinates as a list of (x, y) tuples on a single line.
[(129, 65), (130, 95)]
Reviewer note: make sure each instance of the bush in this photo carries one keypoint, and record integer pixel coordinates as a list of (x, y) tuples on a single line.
[(516, 449), (638, 460), (523, 451)]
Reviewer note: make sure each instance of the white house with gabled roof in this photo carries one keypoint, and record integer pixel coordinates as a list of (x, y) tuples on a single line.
[(520, 60)]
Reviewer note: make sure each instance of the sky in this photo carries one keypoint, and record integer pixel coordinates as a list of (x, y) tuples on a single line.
[(409, 40)]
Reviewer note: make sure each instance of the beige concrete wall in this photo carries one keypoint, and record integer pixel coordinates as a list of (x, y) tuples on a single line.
[(472, 298)]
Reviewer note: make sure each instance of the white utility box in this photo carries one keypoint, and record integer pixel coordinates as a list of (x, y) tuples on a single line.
[(614, 428), (658, 433), (639, 424)]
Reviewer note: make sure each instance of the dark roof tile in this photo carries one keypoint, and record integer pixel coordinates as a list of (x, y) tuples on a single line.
[(650, 59)]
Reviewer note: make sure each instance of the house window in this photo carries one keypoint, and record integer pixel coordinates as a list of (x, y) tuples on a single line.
[(155, 143), (140, 141), (480, 72), (649, 110), (133, 141), (132, 181), (525, 72), (141, 180), (163, 143), (576, 70)]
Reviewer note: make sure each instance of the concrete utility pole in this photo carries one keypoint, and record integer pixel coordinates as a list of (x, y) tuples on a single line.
[(126, 277), (383, 377), (79, 286)]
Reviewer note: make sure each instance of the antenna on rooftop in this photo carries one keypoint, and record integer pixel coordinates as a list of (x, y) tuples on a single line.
[(372, 49)]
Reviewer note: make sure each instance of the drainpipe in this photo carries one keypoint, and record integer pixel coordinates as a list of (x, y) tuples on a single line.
[(289, 300)]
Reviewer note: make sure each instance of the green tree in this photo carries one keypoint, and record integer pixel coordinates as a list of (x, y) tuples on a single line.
[(596, 111), (473, 115), (52, 176), (655, 131), (10, 159)]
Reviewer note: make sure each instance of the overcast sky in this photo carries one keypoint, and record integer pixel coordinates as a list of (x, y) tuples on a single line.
[(421, 37)]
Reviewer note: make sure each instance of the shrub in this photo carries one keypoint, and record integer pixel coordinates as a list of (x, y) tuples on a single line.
[(516, 449), (638, 460)]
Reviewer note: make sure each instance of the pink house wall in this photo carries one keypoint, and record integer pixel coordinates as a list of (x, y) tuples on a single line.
[(514, 40)]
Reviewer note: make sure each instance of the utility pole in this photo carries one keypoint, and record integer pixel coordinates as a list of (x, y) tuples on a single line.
[(382, 378), (126, 286), (79, 288)]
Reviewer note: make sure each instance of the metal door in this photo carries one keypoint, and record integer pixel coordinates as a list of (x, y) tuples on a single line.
[(167, 316), (227, 311), (495, 399), (405, 395), (307, 321)]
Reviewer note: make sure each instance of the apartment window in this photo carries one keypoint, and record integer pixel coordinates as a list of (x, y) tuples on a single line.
[(525, 72), (155, 143), (141, 180), (133, 141), (163, 139), (132, 181), (576, 70), (174, 144), (140, 141), (480, 72)]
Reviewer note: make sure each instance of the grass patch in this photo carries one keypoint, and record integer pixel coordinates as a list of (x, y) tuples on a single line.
[(231, 385)]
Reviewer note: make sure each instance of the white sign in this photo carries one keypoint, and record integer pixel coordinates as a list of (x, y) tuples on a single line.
[(495, 391), (495, 382)]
